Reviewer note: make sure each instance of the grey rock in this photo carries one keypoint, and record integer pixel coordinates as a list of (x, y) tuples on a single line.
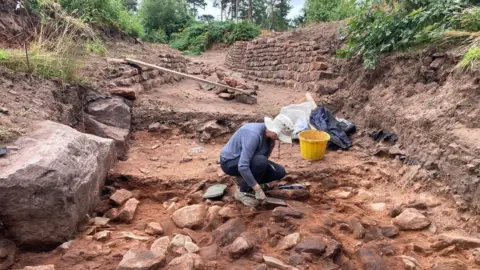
[(119, 135), (274, 262), (289, 241), (188, 261), (228, 232), (280, 213), (157, 127), (411, 219), (289, 194), (296, 259), (261, 267), (141, 259), (7, 253), (121, 196), (179, 240), (209, 252), (127, 212), (154, 228), (192, 216), (239, 247), (160, 246), (111, 112), (370, 260), (390, 231), (103, 236), (466, 242), (357, 227), (59, 172), (311, 245), (395, 211)]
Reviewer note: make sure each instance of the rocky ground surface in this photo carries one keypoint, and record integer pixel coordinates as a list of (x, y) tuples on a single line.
[(354, 214)]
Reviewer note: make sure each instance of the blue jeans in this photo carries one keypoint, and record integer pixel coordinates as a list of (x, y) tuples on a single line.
[(263, 170)]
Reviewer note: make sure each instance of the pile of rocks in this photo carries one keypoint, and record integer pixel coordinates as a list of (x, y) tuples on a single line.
[(301, 65), (238, 83)]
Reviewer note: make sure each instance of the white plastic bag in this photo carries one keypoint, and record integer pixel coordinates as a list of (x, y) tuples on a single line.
[(299, 114)]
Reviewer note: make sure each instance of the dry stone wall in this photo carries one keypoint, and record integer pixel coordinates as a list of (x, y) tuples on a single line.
[(302, 65)]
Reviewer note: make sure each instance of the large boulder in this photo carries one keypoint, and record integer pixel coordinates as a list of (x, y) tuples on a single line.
[(50, 184)]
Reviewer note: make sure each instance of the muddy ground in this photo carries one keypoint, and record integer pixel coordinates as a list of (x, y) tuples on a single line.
[(345, 218)]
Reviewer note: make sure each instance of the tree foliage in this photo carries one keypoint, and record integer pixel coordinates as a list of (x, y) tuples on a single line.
[(198, 36), (329, 10), (167, 15), (376, 29)]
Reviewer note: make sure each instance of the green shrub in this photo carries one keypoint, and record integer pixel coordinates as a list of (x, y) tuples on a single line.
[(377, 30), (95, 46), (198, 36), (104, 13), (157, 36), (329, 10), (471, 60), (169, 15)]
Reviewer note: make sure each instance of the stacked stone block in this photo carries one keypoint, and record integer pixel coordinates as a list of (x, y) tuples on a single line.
[(300, 65)]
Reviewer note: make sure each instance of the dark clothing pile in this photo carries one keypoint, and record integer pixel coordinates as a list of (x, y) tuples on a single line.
[(322, 119)]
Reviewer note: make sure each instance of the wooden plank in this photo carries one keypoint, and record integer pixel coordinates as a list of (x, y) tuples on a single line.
[(188, 76)]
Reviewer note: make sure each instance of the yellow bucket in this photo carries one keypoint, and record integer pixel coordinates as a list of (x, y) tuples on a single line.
[(313, 144)]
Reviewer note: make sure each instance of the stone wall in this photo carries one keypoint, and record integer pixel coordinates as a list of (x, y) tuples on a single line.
[(302, 65)]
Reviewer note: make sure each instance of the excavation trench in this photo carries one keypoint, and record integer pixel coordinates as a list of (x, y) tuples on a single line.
[(342, 222)]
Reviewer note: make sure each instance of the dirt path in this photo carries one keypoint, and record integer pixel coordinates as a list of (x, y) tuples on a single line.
[(344, 220)]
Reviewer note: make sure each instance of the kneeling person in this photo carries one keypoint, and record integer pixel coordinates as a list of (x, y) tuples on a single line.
[(246, 157)]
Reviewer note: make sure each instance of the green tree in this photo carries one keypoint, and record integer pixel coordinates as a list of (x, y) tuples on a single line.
[(131, 5), (206, 18), (167, 15), (195, 4)]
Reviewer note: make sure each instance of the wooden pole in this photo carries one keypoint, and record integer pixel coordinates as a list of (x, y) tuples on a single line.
[(140, 63)]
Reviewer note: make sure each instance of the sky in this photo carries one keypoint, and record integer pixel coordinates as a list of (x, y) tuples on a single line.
[(297, 7)]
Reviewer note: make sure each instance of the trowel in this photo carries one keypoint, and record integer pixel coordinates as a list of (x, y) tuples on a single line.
[(270, 200)]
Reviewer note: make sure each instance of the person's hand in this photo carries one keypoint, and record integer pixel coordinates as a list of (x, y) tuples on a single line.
[(259, 194)]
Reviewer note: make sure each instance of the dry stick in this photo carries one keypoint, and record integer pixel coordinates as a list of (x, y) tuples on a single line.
[(137, 62)]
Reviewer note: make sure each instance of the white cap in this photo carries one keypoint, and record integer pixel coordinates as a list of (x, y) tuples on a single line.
[(282, 125)]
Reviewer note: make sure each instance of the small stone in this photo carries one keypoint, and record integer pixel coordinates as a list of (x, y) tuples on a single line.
[(358, 229), (476, 255), (121, 196), (191, 247), (209, 252), (160, 246), (228, 212), (154, 228), (211, 169), (261, 267), (100, 221), (186, 159), (311, 245), (112, 213), (141, 226), (63, 246), (447, 251), (289, 241), (226, 96), (140, 259), (188, 261), (395, 211), (418, 205), (411, 219), (341, 194), (40, 267), (239, 247), (378, 207), (390, 231), (274, 262), (192, 216), (157, 127), (410, 263), (296, 259), (280, 213), (4, 110), (228, 232), (179, 240), (257, 257), (370, 260), (103, 236), (127, 213), (465, 242), (273, 241)]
